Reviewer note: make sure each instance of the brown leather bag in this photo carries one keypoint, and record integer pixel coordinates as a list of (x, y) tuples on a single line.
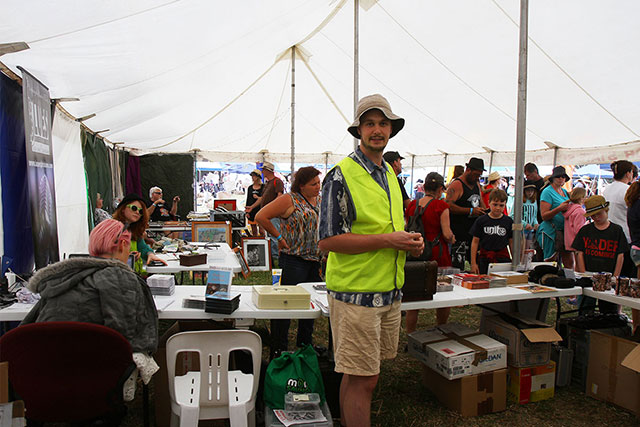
[(420, 280)]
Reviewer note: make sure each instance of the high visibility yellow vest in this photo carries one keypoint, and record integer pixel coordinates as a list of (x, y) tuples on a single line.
[(379, 270)]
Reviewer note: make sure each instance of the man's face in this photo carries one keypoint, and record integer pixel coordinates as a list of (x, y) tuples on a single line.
[(397, 166), (496, 207), (530, 175), (374, 130), (474, 175)]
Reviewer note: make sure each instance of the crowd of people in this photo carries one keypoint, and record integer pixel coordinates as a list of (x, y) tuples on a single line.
[(353, 223)]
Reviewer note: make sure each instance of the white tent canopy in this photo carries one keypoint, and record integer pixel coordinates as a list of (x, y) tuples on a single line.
[(175, 76)]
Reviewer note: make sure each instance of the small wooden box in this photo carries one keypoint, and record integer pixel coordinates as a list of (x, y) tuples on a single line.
[(193, 259), (281, 297)]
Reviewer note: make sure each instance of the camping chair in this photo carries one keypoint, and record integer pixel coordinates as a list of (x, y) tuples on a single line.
[(68, 371), (214, 392)]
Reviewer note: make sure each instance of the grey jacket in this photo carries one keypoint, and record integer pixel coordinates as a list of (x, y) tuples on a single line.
[(97, 290)]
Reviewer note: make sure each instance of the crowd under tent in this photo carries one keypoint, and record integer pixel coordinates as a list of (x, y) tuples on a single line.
[(253, 81)]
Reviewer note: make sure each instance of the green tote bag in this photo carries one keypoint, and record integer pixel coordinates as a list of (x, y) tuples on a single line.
[(297, 372)]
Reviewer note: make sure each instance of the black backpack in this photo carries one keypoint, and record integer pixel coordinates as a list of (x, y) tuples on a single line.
[(414, 224)]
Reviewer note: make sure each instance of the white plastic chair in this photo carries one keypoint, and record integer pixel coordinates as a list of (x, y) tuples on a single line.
[(214, 392)]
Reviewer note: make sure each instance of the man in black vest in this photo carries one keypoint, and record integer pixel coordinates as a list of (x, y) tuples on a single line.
[(465, 205)]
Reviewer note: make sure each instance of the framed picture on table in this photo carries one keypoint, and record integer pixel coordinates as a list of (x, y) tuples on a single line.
[(244, 267), (257, 253), (211, 231), (228, 204)]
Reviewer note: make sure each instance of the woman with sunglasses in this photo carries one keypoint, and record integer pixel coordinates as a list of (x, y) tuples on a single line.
[(132, 212), (100, 289)]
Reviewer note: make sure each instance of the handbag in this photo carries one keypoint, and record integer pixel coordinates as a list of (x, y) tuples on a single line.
[(415, 225), (297, 372)]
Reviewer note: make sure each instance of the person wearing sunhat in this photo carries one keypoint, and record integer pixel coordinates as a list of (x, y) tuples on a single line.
[(252, 205), (134, 216), (600, 247), (395, 160), (493, 182), (362, 229), (554, 200), (465, 205)]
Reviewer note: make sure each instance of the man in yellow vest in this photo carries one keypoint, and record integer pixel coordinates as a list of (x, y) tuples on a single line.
[(362, 228)]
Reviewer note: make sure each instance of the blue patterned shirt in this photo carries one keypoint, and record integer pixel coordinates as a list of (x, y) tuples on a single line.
[(337, 214)]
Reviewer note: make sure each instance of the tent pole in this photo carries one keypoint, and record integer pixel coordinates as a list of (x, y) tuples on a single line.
[(356, 62), (444, 169), (491, 160), (195, 181), (413, 162), (293, 107), (521, 130)]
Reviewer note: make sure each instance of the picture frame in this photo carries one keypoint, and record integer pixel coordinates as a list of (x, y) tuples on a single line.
[(228, 204), (211, 231), (257, 253), (244, 267)]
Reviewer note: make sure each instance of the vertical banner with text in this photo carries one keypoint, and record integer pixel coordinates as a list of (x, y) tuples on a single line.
[(37, 118)]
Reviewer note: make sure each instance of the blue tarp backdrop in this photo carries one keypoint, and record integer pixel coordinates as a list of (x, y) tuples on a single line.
[(16, 212)]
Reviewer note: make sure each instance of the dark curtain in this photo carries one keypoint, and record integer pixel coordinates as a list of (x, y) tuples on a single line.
[(98, 171), (171, 172), (132, 184), (16, 210)]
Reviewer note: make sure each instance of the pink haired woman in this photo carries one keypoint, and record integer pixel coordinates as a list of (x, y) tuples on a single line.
[(99, 289)]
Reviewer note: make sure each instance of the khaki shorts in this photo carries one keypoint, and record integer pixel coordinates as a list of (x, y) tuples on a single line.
[(363, 336)]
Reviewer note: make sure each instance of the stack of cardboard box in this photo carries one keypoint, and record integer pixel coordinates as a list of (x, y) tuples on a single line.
[(531, 372), (11, 413), (463, 368)]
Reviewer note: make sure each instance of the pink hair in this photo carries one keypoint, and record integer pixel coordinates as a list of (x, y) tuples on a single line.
[(102, 239)]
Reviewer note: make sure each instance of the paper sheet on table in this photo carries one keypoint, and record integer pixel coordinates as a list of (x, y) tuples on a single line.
[(299, 417), (163, 302)]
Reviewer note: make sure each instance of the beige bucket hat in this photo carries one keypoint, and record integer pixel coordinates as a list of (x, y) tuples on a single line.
[(376, 102)]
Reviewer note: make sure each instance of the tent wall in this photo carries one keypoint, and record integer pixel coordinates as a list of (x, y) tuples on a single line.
[(174, 174), (98, 171), (16, 212), (71, 194)]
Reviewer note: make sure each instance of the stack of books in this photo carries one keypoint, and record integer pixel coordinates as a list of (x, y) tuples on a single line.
[(162, 284)]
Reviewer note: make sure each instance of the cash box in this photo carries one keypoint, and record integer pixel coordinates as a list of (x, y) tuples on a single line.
[(281, 297), (455, 351), (193, 259)]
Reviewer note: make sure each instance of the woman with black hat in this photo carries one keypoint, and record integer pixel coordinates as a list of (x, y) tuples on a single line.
[(554, 200), (252, 205), (132, 212)]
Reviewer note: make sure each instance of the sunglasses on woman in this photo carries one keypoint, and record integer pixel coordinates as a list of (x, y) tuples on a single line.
[(135, 208)]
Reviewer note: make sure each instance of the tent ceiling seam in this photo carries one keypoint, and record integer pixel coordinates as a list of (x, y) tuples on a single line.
[(451, 131), (566, 73), (30, 43), (275, 116), (324, 89), (450, 71), (221, 110)]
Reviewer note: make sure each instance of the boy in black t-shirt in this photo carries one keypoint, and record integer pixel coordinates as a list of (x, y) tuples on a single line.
[(600, 247), (492, 234)]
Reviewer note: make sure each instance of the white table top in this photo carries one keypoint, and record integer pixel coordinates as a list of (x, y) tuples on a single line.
[(462, 296), (222, 256), (612, 297), (170, 307)]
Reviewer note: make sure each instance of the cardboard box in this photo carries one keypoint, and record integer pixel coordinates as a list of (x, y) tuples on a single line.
[(531, 384), (528, 340), (613, 375), (186, 362), (4, 382), (281, 297), (513, 277), (455, 351), (470, 396)]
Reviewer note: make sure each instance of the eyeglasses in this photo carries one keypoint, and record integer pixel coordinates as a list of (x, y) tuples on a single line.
[(135, 208), (124, 228), (157, 192)]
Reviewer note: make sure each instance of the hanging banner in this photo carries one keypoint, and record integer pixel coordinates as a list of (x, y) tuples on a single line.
[(37, 124)]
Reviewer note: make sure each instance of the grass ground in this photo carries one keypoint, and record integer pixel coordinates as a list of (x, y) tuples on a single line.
[(401, 400)]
